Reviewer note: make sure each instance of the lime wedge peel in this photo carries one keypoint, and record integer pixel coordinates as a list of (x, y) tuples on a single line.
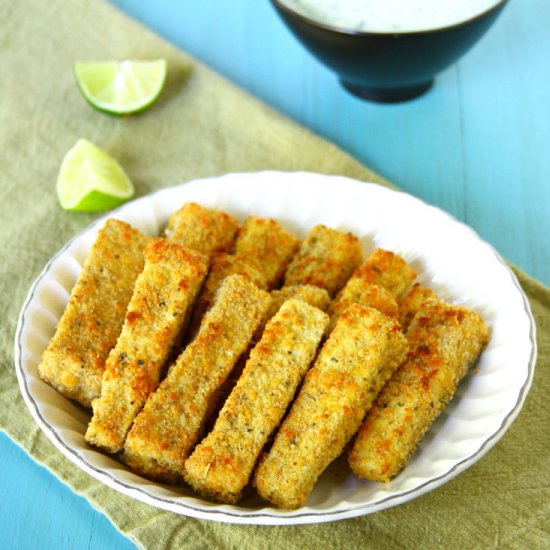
[(90, 180), (121, 87)]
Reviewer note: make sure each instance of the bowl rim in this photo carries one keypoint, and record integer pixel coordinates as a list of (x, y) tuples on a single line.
[(283, 7)]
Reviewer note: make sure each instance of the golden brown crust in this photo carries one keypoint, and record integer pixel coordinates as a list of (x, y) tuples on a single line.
[(359, 291), (265, 242), (222, 266), (74, 360), (359, 356), (326, 259), (387, 269), (174, 416), (375, 283), (157, 315), (256, 384), (221, 465), (202, 229), (312, 295), (444, 341), (411, 302)]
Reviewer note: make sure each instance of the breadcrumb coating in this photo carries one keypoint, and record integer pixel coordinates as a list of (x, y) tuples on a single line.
[(361, 353), (239, 402), (359, 291), (312, 295), (74, 360), (222, 266), (444, 341), (387, 269), (266, 243), (326, 259), (156, 318), (411, 302), (173, 419), (202, 229), (376, 283), (222, 463)]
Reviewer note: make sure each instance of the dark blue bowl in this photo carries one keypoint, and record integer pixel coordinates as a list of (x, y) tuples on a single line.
[(387, 67)]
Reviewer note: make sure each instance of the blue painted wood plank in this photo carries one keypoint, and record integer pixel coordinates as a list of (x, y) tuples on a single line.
[(506, 136), (38, 511)]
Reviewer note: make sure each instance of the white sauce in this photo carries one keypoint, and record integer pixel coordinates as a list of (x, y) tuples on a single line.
[(390, 15)]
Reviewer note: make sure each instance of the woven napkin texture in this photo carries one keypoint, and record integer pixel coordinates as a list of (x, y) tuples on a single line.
[(202, 126)]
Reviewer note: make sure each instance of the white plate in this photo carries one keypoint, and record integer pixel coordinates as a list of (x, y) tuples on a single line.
[(449, 257)]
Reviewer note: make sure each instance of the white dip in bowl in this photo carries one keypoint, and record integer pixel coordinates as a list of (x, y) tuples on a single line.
[(390, 16)]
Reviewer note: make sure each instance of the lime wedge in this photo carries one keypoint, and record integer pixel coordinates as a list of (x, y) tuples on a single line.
[(90, 180), (121, 87)]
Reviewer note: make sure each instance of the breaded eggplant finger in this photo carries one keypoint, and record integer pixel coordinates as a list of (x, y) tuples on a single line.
[(387, 269), (173, 418), (222, 266), (312, 295), (353, 364), (359, 291), (376, 283), (326, 259), (265, 242), (202, 229), (444, 341), (222, 463), (74, 360), (156, 318), (411, 302)]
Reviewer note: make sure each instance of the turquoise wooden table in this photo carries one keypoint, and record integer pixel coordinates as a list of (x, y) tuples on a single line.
[(477, 145)]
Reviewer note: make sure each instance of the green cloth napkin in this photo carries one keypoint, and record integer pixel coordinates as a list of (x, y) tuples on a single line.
[(202, 126)]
